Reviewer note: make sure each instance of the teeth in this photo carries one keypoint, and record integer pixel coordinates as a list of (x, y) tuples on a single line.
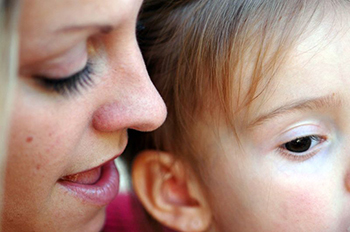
[(88, 177)]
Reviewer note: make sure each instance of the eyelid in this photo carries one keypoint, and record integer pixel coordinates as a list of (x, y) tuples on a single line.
[(70, 84), (59, 66), (302, 156), (300, 131)]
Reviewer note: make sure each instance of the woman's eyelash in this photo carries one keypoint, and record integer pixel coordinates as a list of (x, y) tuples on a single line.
[(71, 84)]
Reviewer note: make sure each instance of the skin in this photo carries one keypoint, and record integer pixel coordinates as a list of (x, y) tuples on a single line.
[(255, 184), (54, 135)]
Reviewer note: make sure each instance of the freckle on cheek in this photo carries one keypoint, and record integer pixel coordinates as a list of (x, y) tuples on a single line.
[(38, 167), (29, 139)]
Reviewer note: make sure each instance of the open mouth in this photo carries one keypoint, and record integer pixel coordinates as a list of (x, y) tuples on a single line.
[(98, 186), (87, 177)]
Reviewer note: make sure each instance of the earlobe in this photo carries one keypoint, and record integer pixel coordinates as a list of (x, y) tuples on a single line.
[(170, 192)]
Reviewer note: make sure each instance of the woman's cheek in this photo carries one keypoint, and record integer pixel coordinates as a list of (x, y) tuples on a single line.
[(35, 147)]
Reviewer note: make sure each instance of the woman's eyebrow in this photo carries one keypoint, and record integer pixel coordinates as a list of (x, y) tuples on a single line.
[(329, 101), (103, 28)]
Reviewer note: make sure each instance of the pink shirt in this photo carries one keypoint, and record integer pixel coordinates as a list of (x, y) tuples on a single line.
[(126, 214)]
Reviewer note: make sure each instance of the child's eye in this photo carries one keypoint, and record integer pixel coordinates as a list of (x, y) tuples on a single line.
[(302, 144), (70, 84), (302, 148)]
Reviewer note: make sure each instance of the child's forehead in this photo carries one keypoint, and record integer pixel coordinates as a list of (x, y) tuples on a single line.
[(302, 69), (315, 68)]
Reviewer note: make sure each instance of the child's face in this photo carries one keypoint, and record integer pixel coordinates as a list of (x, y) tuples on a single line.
[(291, 169)]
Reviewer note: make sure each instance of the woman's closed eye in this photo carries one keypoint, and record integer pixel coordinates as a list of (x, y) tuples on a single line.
[(302, 148), (68, 85)]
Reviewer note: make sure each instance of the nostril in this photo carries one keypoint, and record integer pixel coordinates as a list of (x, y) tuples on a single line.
[(347, 181), (141, 115)]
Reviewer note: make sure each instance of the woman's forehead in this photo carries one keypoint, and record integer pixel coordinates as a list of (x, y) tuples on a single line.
[(57, 24)]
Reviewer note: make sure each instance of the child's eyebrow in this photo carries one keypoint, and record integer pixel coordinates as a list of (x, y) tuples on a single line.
[(329, 101)]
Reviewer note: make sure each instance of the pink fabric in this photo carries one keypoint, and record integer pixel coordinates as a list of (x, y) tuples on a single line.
[(126, 214)]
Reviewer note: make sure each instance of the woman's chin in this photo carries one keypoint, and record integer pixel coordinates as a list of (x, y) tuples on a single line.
[(95, 224)]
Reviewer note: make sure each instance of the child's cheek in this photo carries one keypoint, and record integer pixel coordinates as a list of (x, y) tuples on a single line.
[(306, 208)]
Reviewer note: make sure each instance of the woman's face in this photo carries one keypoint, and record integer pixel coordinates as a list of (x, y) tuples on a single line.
[(82, 84), (290, 169)]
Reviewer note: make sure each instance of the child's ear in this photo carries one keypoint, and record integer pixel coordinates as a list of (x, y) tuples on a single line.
[(169, 192)]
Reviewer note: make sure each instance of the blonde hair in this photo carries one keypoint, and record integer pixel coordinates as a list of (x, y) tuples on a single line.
[(199, 53), (9, 12)]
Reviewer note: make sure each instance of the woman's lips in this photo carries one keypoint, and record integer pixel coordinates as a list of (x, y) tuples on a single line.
[(88, 177), (98, 186)]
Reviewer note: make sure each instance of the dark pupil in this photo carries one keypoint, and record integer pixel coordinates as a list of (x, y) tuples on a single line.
[(299, 144)]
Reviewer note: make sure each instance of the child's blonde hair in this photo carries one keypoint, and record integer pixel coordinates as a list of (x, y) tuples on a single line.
[(199, 54)]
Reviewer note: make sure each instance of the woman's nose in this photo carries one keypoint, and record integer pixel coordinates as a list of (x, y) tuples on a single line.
[(133, 100), (143, 110)]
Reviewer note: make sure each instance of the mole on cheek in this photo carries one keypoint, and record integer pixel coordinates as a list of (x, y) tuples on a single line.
[(29, 139)]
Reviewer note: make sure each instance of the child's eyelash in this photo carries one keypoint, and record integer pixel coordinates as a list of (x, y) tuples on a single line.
[(302, 155), (71, 84)]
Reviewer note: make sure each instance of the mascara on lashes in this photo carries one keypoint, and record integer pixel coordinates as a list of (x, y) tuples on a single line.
[(71, 84)]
